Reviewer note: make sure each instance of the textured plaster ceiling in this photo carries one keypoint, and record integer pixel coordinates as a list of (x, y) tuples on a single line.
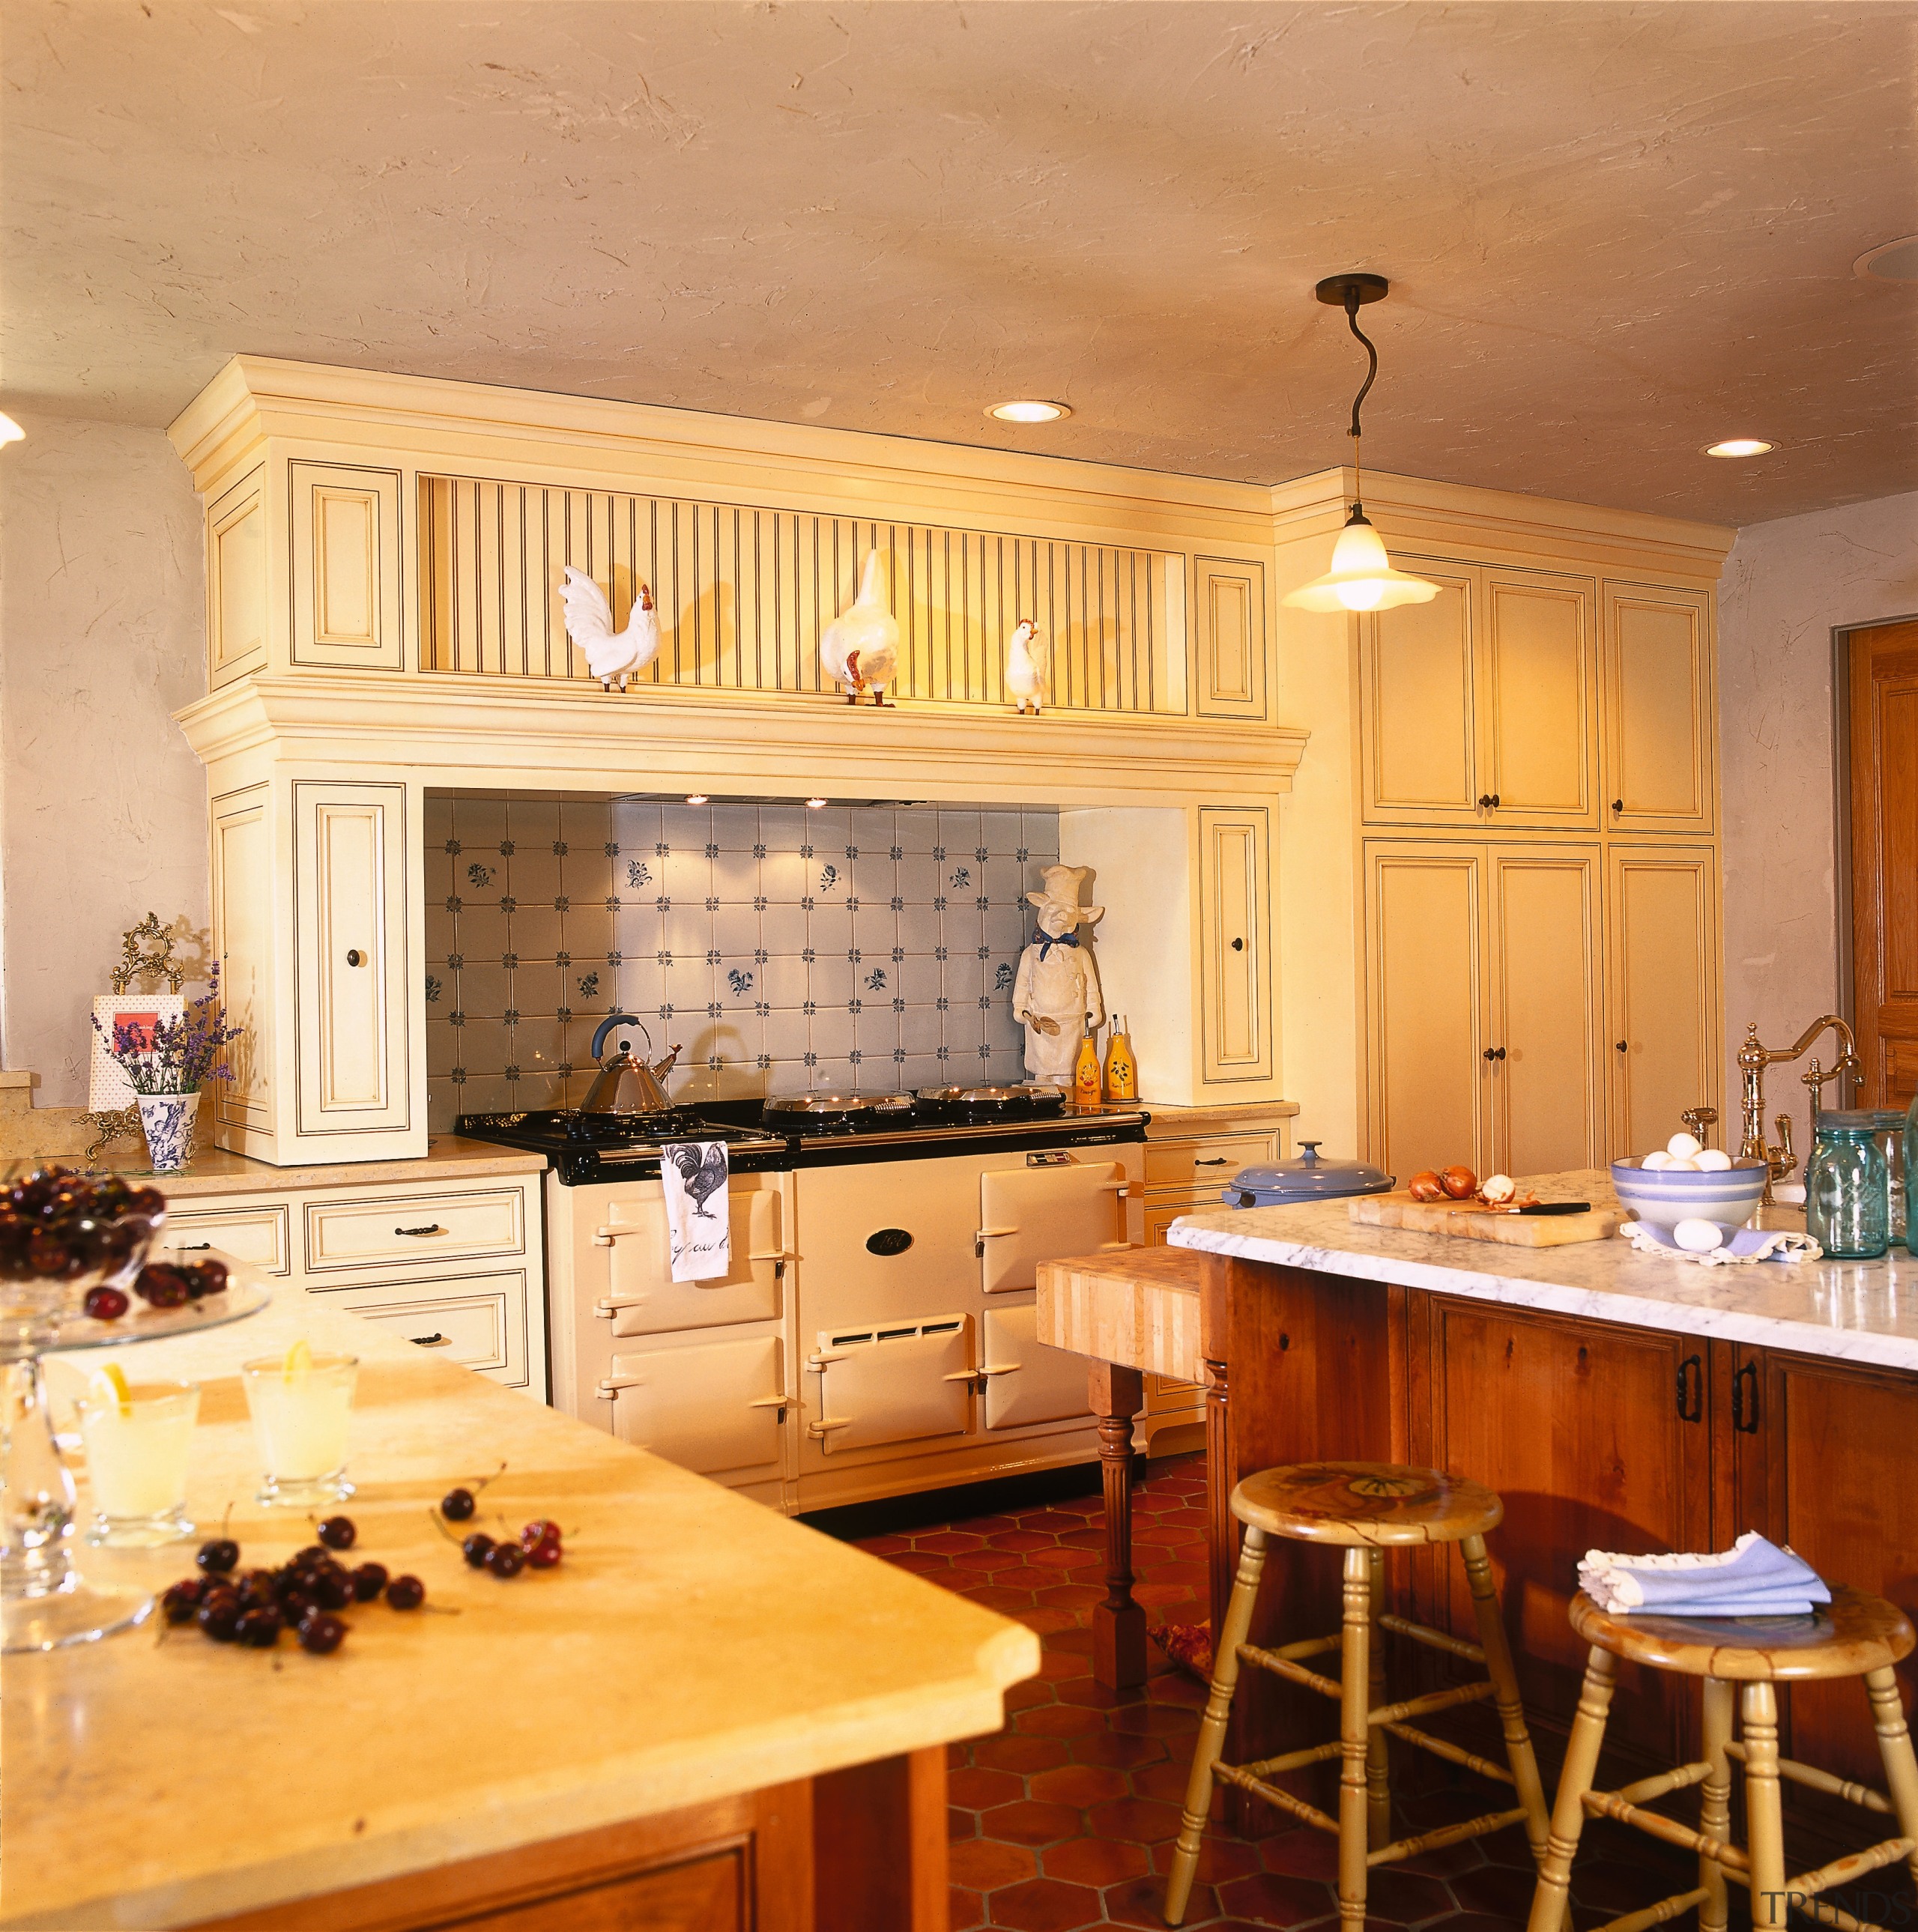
[(1614, 233)]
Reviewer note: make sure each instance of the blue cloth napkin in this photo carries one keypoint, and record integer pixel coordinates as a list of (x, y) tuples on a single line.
[(1754, 1578)]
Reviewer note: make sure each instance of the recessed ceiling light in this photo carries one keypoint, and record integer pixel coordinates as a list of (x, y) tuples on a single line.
[(697, 798), (1890, 261), (9, 430), (1028, 411), (815, 805), (1739, 446)]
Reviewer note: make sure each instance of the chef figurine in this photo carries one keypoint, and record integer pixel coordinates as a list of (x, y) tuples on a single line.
[(1056, 993)]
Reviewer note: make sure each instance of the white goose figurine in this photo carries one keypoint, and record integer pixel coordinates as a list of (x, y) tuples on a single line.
[(610, 655), (1025, 676), (860, 647)]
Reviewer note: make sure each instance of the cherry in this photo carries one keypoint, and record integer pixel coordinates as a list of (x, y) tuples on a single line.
[(333, 1589), (505, 1559), (478, 1547), (106, 1304), (219, 1556), (369, 1579), (544, 1531), (406, 1593), (457, 1505), (297, 1605), (163, 1285), (219, 1615), (260, 1628), (338, 1532), (321, 1633), (543, 1555), (181, 1604)]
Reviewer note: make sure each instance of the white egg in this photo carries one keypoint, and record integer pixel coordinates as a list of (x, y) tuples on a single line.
[(1682, 1147), (1714, 1160), (1653, 1161), (1678, 1164), (1698, 1238)]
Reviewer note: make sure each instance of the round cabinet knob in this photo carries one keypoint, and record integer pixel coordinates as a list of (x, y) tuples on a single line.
[(1238, 946), (1488, 1053), (355, 957), (1498, 1053), (1618, 805), (1484, 801), (1620, 1044)]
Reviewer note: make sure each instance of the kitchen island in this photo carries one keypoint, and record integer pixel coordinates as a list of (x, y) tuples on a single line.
[(1614, 1400), (705, 1717)]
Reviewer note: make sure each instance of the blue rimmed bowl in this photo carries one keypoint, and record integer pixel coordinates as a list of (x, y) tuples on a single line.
[(1730, 1196)]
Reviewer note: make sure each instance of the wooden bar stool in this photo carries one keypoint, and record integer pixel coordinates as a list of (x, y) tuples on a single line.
[(1856, 1636), (1365, 1508)]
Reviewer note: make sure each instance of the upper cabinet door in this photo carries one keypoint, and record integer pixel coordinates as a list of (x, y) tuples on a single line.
[(1659, 710), (351, 975), (1538, 699), (346, 550), (1229, 607), (1235, 916), (236, 582), (1418, 675)]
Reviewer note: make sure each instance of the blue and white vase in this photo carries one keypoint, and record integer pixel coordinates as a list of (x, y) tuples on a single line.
[(167, 1121)]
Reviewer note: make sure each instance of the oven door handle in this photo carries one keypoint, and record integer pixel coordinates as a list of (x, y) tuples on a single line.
[(821, 1429), (610, 1386), (817, 1363), (781, 1402), (996, 1369)]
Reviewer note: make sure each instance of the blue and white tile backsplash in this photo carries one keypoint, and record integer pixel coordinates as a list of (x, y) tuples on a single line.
[(782, 949)]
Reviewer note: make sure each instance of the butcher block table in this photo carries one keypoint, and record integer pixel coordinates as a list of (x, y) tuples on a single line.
[(707, 1717), (1135, 1311)]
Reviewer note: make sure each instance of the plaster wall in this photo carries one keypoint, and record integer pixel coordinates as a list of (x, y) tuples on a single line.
[(1786, 586), (102, 817)]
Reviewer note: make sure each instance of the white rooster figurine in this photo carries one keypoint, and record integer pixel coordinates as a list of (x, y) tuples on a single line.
[(612, 656), (1025, 676), (860, 647)]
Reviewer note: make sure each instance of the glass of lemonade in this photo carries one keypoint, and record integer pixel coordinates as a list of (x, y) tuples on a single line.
[(302, 1404), (137, 1435)]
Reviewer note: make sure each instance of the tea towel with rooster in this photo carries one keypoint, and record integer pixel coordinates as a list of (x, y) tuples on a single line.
[(698, 1218)]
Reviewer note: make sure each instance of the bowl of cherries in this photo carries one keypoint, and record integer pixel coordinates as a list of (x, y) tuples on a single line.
[(63, 1236)]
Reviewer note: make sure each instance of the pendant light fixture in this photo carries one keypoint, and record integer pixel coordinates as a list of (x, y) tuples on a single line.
[(1362, 577)]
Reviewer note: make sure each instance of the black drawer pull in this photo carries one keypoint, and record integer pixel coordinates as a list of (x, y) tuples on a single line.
[(1691, 1389), (435, 1340), (1744, 1409), (431, 1228), (190, 1247), (1220, 1161)]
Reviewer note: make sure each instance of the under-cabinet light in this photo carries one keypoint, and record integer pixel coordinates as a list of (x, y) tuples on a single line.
[(815, 805), (1029, 411), (697, 798), (1739, 446)]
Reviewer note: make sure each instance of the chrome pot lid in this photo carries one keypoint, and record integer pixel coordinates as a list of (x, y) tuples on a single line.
[(1309, 1176), (994, 1096), (838, 1103)]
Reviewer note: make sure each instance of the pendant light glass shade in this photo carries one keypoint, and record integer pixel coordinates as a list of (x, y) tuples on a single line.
[(1362, 577)]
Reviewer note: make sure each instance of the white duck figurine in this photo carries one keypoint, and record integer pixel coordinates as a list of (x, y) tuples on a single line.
[(612, 656), (1025, 676), (860, 646)]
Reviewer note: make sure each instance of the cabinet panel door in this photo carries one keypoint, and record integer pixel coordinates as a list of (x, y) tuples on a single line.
[(1425, 974), (1661, 925), (1418, 674), (236, 582), (643, 1298), (1230, 607), (243, 880), (351, 979), (1658, 709), (1547, 1091), (1538, 700), (1026, 1382), (1534, 1406), (1234, 913), (1027, 1215), (714, 1407), (346, 558)]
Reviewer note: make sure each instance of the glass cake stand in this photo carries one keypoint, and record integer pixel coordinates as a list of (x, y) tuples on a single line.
[(45, 1603)]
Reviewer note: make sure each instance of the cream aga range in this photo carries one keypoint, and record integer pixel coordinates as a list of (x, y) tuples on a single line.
[(875, 1334)]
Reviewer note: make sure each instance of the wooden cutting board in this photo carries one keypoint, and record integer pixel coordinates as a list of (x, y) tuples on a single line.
[(1469, 1221)]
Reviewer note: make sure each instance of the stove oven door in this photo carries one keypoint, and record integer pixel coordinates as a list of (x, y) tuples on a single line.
[(1027, 1382), (641, 1297), (716, 1408), (897, 1381), (1043, 1211)]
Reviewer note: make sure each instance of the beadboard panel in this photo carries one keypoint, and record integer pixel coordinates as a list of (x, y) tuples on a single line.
[(744, 593)]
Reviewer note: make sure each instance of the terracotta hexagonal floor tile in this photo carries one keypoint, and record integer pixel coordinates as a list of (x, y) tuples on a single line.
[(1141, 1901), (1165, 1781), (1072, 1596), (1023, 1697), (1058, 1720), (1027, 1822), (988, 1558), (1058, 1662), (1301, 1852), (966, 1910), (961, 1824), (1272, 1898), (1500, 1891), (1139, 1819), (1118, 1748), (1052, 1521), (920, 1565), (976, 1789), (1094, 1696), (1023, 1539), (1056, 1556), (883, 1545), (1080, 1784), (1095, 1861), (1401, 1898), (1164, 1720), (1048, 1619), (1012, 1750), (948, 1542), (1046, 1905), (1220, 1857), (983, 1865)]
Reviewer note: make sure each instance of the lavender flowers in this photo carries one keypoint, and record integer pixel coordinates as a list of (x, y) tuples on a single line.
[(176, 1056)]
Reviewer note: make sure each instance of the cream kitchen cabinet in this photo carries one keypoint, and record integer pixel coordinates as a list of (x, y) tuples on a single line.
[(1229, 632), (1234, 915), (1661, 701), (347, 601)]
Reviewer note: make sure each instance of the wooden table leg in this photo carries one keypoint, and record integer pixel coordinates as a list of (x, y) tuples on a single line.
[(1115, 1395)]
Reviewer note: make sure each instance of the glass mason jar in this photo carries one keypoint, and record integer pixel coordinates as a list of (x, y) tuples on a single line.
[(1888, 1127), (1847, 1188)]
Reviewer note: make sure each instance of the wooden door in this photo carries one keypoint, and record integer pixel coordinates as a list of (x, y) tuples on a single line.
[(1234, 913), (1418, 682), (1229, 637), (1662, 927), (1543, 1409), (347, 601), (1884, 860), (351, 977), (1429, 1081), (1547, 1075), (1659, 708), (1538, 699)]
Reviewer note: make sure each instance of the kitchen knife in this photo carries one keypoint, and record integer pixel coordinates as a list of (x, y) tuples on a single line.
[(1544, 1207)]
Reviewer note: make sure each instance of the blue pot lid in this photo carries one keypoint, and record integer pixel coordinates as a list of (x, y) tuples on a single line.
[(1310, 1176)]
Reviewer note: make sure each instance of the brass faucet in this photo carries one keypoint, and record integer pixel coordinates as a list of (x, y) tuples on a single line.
[(1753, 1059)]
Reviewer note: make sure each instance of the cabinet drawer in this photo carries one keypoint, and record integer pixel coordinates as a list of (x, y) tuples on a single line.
[(414, 1228), (261, 1237), (477, 1321), (1167, 1395), (1195, 1164)]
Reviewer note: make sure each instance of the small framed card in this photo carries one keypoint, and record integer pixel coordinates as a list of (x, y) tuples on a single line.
[(107, 1087)]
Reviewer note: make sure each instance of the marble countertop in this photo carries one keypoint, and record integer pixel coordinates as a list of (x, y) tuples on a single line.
[(215, 1171), (1865, 1312), (690, 1646)]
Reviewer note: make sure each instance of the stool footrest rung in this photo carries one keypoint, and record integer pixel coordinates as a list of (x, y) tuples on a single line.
[(1280, 1665), (1241, 1775), (1663, 1913), (1615, 1805), (1853, 1865), (1682, 1778), (1454, 1754), (1296, 1760), (1444, 1835), (1432, 1700), (1815, 1780), (1433, 1639)]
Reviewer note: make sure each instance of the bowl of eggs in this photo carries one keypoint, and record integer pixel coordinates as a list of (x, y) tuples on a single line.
[(1685, 1182)]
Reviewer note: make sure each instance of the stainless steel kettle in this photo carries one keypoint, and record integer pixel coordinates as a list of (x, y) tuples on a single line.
[(626, 1085)]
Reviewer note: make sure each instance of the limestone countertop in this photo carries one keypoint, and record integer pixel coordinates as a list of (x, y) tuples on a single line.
[(215, 1171), (692, 1645), (1864, 1312), (1171, 1123)]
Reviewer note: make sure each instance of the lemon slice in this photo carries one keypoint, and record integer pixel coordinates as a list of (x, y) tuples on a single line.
[(108, 1383), (299, 1359)]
